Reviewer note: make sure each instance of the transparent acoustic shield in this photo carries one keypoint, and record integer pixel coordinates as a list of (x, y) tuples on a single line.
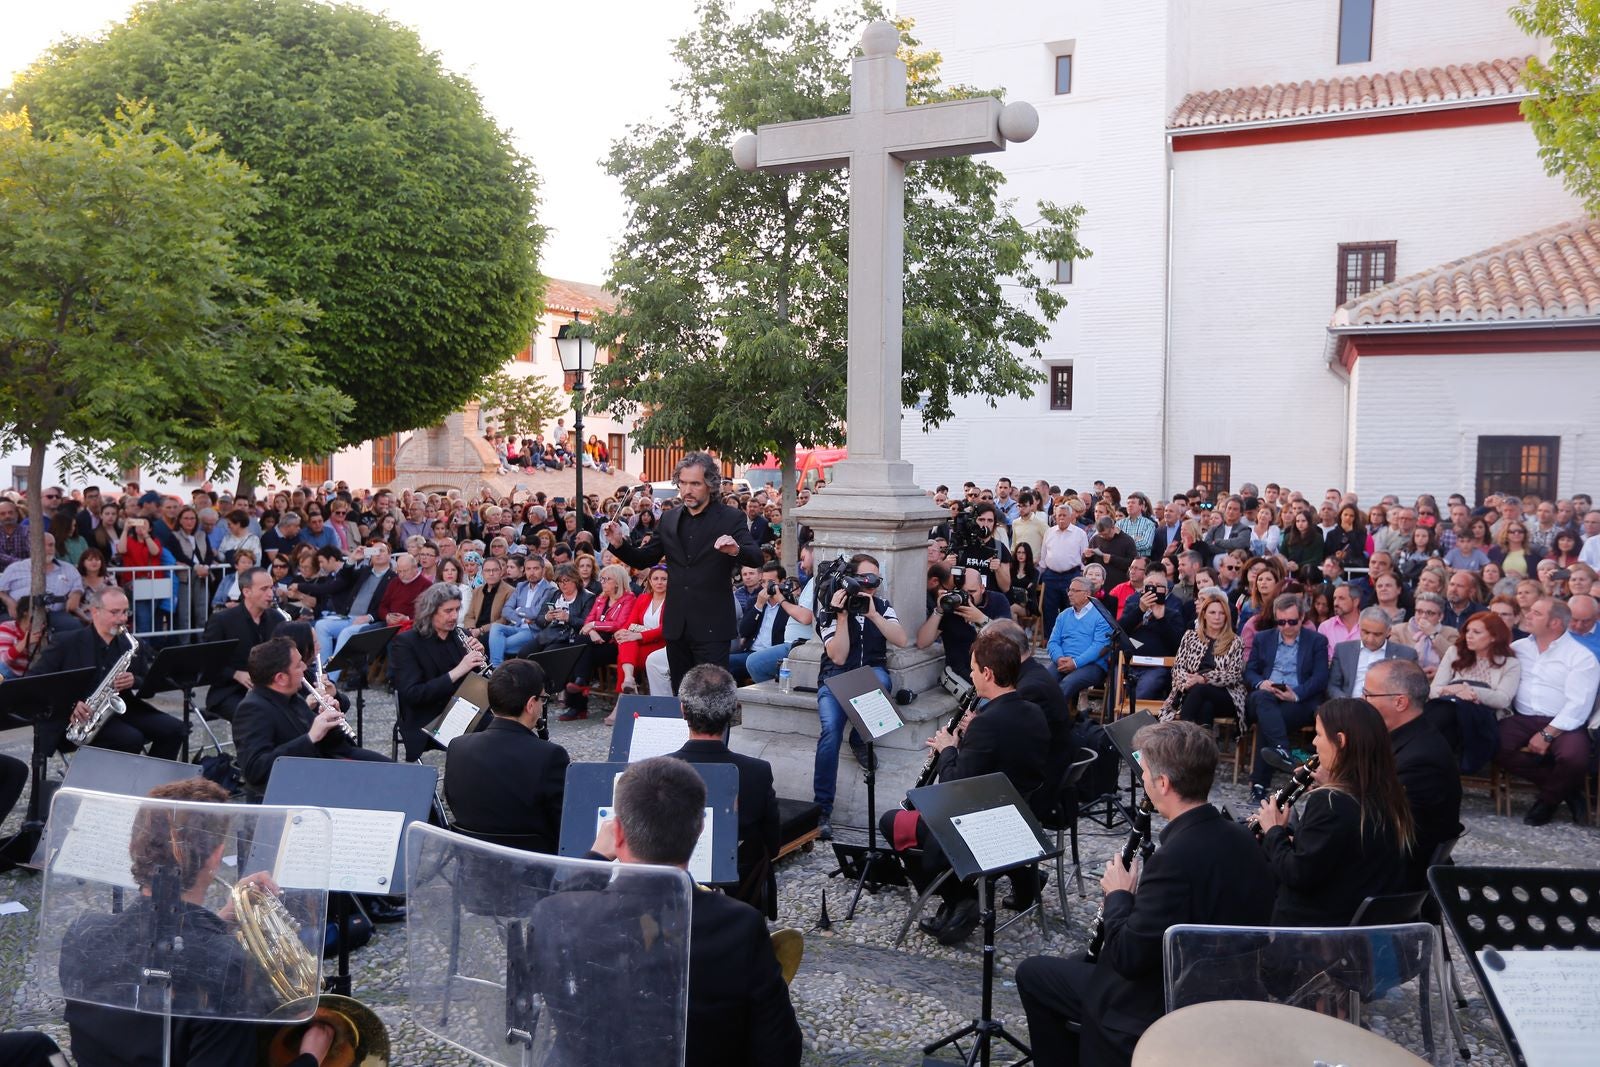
[(524, 958), (195, 909)]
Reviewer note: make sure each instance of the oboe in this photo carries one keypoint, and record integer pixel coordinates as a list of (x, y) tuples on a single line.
[(965, 703), (1303, 778), (1138, 838)]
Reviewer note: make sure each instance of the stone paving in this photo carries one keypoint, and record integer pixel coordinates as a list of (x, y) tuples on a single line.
[(861, 1001)]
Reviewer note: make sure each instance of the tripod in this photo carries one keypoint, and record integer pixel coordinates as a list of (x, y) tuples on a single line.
[(985, 1028), (872, 855)]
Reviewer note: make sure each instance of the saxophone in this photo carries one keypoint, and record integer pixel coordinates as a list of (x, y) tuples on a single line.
[(103, 702), (1138, 838)]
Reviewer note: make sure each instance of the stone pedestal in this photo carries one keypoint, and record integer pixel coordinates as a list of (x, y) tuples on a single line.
[(890, 522), (451, 455)]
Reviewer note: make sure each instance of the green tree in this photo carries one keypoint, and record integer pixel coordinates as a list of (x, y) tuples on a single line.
[(391, 199), (730, 332), (128, 331), (520, 404), (1565, 108)]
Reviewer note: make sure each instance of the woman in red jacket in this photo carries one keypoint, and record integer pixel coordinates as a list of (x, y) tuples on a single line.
[(642, 634), (610, 614)]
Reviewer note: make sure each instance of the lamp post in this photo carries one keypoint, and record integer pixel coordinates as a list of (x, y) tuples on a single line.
[(577, 358)]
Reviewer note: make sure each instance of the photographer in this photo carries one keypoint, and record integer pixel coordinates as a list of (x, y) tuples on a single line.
[(1154, 621), (772, 624), (958, 615), (856, 627), (976, 547)]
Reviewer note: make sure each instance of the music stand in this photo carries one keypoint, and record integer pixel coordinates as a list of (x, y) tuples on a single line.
[(355, 656), (184, 667), (1121, 733), (557, 664), (55, 694), (872, 714), (984, 827), (590, 795), (370, 803)]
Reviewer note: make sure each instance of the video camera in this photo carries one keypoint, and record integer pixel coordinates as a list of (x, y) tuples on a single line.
[(858, 588), (965, 533)]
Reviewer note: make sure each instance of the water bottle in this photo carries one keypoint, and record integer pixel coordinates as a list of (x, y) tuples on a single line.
[(783, 675)]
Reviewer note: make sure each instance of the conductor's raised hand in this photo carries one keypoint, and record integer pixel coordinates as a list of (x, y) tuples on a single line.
[(727, 544), (613, 531)]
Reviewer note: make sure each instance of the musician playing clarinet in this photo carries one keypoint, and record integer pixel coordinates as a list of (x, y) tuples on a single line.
[(1006, 734), (279, 717), (1207, 870), (427, 663)]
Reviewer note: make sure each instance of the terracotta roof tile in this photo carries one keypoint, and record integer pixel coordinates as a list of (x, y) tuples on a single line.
[(1465, 84), (568, 296), (1551, 274)]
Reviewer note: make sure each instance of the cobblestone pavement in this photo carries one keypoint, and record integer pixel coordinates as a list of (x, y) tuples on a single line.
[(861, 1000)]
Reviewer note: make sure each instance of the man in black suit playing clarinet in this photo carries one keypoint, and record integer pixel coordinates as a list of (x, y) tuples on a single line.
[(704, 543), (1208, 870)]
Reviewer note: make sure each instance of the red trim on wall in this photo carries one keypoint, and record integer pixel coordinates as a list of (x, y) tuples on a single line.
[(1535, 338), (1405, 122)]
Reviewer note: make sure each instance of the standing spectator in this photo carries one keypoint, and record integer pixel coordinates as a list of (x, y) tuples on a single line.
[(13, 534), (1230, 533), (1139, 525), (1113, 549), (1060, 561), (1029, 527)]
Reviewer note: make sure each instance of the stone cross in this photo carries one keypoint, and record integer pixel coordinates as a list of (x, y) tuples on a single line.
[(875, 141)]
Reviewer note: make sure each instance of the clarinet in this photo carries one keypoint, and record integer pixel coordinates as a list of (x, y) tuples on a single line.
[(931, 767), (1138, 840), (485, 671), (1304, 777)]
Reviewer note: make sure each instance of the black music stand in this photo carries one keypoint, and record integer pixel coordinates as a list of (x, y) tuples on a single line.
[(353, 785), (1499, 909), (184, 668), (589, 797), (355, 656), (944, 807), (45, 700), (872, 715), (1120, 732)]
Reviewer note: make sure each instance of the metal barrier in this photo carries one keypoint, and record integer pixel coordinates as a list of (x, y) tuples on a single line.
[(168, 599)]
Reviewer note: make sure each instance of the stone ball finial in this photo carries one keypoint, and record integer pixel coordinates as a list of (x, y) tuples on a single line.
[(744, 152), (1018, 121), (880, 39)]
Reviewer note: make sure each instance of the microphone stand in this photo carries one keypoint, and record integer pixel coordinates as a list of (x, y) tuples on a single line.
[(1117, 693)]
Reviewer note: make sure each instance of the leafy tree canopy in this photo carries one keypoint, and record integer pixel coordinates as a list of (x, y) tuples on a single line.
[(731, 326), (1565, 112), (520, 404), (389, 198)]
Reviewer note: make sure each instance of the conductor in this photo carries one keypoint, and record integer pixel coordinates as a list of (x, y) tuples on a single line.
[(704, 543)]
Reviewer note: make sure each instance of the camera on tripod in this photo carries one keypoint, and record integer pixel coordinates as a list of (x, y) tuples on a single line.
[(858, 588)]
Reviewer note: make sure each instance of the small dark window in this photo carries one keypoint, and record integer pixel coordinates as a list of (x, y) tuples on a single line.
[(19, 478), (1520, 465), (1363, 268), (1063, 74), (1061, 388), (1063, 272), (1355, 31), (1213, 472)]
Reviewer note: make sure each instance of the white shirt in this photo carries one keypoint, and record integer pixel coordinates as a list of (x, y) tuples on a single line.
[(1559, 683), (1364, 660), (1590, 553), (1063, 549)]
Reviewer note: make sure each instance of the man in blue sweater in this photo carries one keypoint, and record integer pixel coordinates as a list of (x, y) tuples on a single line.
[(1079, 643)]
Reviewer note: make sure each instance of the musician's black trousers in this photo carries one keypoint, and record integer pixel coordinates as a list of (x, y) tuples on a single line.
[(686, 652), (130, 731), (13, 780), (1053, 992)]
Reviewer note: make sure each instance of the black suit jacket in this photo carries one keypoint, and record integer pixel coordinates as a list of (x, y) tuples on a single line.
[(74, 650), (1332, 861), (503, 780), (267, 725), (235, 623), (1207, 870), (758, 819), (1008, 735), (1432, 782), (420, 668), (1038, 685), (700, 605)]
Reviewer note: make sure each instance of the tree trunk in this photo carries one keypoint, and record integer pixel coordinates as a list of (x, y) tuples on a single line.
[(791, 525), (36, 532), (247, 482)]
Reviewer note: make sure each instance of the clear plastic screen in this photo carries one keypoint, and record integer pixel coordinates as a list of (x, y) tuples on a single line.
[(595, 955), (146, 908)]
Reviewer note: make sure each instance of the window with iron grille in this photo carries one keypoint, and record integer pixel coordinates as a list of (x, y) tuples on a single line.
[(1363, 268), (1061, 387), (1213, 472), (1520, 465)]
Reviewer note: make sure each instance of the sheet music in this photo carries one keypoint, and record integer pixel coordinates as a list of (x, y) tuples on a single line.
[(656, 735), (363, 851), (877, 712), (998, 837), (96, 847), (457, 721), (1551, 1000), (699, 861)]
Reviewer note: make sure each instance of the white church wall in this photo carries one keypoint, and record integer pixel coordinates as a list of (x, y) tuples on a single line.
[(1418, 418), (1256, 236)]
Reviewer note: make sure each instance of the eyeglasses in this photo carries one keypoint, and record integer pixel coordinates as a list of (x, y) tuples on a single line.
[(1289, 622), (1379, 696)]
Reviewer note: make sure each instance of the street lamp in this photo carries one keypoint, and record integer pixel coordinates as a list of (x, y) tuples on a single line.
[(577, 359)]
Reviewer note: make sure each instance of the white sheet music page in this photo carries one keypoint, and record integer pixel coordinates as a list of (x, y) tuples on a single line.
[(877, 711), (656, 735), (456, 721), (699, 861), (998, 837), (364, 846), (96, 847), (1552, 1001)]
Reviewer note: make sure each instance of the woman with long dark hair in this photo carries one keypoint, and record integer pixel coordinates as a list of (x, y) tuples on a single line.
[(1347, 541), (1473, 689), (1302, 543), (1024, 593), (1354, 832)]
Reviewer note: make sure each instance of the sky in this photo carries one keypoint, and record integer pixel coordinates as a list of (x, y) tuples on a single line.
[(563, 80)]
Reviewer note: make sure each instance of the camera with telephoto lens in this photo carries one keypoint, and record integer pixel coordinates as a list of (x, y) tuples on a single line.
[(858, 588), (789, 587), (956, 598)]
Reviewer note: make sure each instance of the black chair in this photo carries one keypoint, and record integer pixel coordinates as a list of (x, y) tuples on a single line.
[(1390, 910)]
